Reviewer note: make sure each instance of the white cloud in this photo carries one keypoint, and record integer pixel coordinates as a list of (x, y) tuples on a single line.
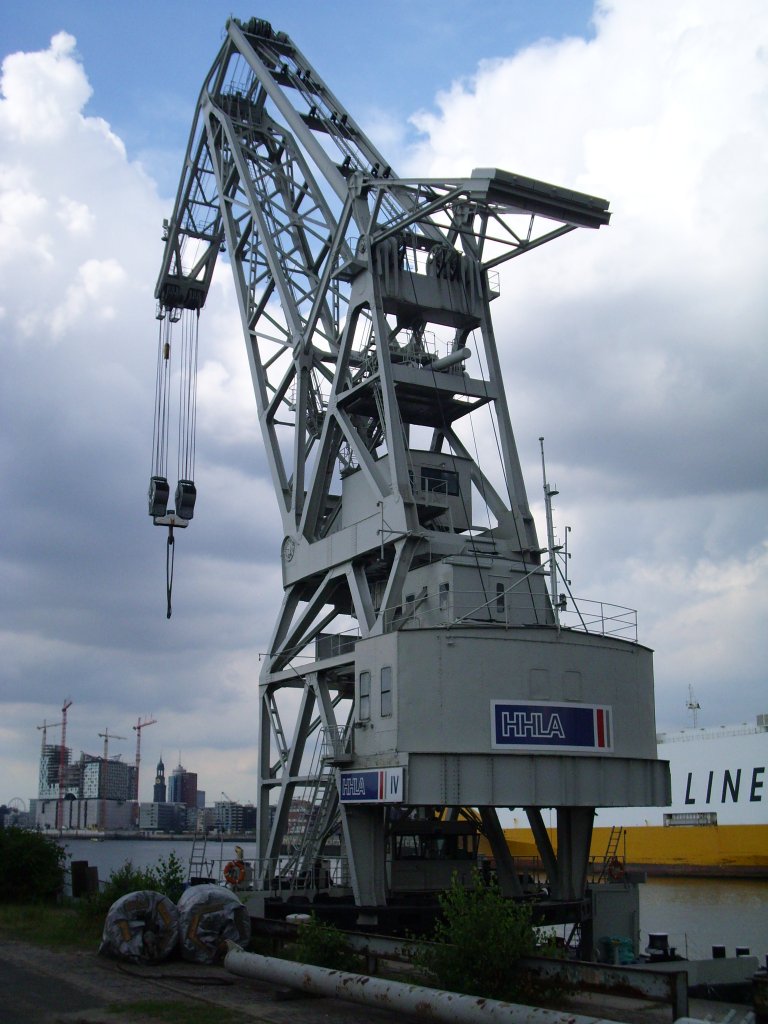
[(84, 602), (22, 223), (639, 350), (75, 216), (95, 286), (44, 92)]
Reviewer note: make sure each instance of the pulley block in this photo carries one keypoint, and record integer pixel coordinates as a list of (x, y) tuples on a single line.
[(186, 493), (159, 492)]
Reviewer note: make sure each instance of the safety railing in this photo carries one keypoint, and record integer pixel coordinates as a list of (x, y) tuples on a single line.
[(335, 743), (600, 617), (523, 602), (283, 875)]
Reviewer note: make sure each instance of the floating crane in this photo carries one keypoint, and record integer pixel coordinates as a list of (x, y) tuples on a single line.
[(435, 683)]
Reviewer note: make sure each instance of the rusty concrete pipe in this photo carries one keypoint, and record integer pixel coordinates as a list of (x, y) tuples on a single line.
[(430, 1003)]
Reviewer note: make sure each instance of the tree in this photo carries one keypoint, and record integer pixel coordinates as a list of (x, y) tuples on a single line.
[(31, 867)]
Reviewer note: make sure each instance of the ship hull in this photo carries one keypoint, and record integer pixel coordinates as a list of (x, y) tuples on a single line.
[(717, 823), (691, 851)]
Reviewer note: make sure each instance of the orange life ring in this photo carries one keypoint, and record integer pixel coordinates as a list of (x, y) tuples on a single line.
[(234, 872)]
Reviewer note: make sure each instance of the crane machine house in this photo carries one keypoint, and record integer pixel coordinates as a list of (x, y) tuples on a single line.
[(435, 676)]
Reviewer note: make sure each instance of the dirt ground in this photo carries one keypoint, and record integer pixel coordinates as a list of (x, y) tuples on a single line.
[(42, 986)]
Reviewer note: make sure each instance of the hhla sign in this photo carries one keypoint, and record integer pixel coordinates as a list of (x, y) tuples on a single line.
[(374, 786)]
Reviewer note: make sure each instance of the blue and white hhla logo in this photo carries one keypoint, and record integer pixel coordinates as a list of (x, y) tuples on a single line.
[(547, 725), (375, 786)]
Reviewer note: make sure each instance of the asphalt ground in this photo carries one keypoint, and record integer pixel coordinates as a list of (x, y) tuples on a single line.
[(43, 986)]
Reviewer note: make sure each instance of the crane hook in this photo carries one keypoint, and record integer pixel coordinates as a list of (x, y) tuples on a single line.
[(169, 556)]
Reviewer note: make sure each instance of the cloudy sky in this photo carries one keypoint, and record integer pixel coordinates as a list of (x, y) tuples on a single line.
[(639, 351)]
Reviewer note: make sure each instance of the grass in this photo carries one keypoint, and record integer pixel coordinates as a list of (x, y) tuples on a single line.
[(57, 927), (176, 1012), (72, 927)]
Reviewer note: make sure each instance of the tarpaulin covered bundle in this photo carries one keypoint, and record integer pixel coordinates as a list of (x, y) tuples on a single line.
[(209, 915), (142, 927)]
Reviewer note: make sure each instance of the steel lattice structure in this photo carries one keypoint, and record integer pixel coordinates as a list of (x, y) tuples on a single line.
[(365, 306)]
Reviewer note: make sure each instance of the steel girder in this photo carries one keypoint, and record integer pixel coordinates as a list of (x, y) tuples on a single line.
[(340, 269)]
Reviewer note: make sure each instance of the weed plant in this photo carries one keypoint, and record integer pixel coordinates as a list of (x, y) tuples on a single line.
[(323, 945), (477, 941)]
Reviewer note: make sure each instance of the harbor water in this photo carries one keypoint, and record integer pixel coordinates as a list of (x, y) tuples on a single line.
[(697, 914)]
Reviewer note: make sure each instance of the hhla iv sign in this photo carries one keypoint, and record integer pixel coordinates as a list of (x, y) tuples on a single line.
[(376, 786)]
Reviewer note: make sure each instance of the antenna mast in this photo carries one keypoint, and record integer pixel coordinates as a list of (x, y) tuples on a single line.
[(549, 493), (693, 706)]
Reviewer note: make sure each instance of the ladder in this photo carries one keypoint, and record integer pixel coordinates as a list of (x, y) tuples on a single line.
[(612, 868), (199, 867)]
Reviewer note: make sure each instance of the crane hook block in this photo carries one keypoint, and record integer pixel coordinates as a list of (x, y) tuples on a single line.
[(159, 492), (186, 493)]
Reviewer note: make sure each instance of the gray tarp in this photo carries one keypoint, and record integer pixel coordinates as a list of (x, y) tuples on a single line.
[(209, 915), (142, 927)]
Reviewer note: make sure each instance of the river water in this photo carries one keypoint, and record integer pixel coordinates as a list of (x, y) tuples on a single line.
[(695, 913)]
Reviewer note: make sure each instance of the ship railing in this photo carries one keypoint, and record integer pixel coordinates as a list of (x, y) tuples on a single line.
[(281, 876)]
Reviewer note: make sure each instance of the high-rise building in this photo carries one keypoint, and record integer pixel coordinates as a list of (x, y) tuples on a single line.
[(159, 792), (50, 769), (182, 787), (163, 817), (106, 780)]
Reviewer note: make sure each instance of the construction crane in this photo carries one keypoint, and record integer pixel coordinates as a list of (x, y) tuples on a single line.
[(45, 727), (43, 783), (107, 736), (433, 672), (62, 763), (137, 729), (104, 773)]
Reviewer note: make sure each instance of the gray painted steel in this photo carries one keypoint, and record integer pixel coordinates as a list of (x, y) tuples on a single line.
[(415, 593)]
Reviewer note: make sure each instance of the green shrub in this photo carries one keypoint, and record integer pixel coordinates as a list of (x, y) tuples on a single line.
[(477, 941), (169, 877), (323, 945), (166, 877), (31, 867)]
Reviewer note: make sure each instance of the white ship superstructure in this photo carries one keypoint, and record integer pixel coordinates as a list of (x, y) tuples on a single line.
[(719, 777)]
